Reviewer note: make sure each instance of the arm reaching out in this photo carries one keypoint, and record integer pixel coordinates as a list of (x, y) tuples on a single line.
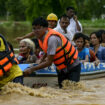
[(29, 35)]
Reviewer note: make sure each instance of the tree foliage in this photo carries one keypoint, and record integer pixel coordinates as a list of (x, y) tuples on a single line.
[(16, 9), (30, 9), (37, 8), (2, 7)]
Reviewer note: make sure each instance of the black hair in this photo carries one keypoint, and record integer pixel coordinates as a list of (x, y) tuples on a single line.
[(40, 21), (100, 32), (87, 38), (36, 42), (104, 32), (79, 35), (64, 16), (68, 8), (97, 33)]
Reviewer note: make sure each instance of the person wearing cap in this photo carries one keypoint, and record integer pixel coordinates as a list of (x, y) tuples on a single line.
[(52, 21)]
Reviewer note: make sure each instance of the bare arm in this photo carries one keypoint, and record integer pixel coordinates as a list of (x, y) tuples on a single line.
[(29, 35), (44, 64), (97, 61), (77, 24), (86, 59), (41, 59)]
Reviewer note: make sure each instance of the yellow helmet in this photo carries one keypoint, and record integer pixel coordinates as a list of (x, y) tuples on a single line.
[(52, 16)]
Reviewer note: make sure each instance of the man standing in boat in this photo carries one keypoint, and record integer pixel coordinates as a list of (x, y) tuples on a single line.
[(58, 50)]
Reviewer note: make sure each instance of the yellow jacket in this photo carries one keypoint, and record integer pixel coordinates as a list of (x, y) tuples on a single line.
[(14, 72)]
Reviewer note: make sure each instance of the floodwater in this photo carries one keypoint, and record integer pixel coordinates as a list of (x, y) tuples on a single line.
[(86, 92)]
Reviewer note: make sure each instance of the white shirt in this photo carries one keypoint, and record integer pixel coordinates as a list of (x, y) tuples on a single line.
[(72, 28), (60, 30)]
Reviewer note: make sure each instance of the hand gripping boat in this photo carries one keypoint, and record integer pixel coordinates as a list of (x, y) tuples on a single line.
[(48, 76)]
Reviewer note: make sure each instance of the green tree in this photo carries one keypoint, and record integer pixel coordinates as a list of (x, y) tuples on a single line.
[(83, 10), (16, 9), (96, 7), (66, 3), (2, 7), (37, 8)]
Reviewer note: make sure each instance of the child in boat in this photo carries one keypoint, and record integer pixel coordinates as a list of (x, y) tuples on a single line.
[(93, 57), (83, 54)]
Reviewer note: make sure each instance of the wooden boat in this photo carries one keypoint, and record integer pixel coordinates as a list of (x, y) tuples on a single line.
[(48, 76)]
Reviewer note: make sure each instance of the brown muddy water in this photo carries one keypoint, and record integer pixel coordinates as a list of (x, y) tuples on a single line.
[(86, 92)]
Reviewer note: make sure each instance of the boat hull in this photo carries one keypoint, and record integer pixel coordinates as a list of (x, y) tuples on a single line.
[(48, 76)]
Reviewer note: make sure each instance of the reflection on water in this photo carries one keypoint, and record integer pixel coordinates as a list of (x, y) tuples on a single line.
[(85, 92), (12, 30)]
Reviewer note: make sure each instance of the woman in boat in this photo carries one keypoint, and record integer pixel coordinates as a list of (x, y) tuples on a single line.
[(93, 57), (26, 49), (83, 54), (99, 50)]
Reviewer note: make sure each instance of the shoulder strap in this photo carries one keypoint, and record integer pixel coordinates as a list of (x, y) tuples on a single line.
[(5, 42)]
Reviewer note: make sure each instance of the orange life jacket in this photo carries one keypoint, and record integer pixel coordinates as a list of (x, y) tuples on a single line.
[(7, 59), (64, 55)]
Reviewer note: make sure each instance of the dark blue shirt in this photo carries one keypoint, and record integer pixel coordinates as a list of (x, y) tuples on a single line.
[(100, 53)]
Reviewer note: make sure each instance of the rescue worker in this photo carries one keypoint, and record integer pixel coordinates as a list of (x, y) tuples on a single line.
[(52, 21), (9, 70), (58, 50)]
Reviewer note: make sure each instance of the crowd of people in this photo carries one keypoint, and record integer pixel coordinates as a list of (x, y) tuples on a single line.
[(62, 42)]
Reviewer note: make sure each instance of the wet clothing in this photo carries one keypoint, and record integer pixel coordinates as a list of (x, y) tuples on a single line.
[(18, 79), (13, 72), (65, 54), (53, 43), (72, 75), (7, 57)]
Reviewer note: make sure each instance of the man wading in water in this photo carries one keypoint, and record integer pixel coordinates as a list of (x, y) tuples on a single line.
[(58, 50)]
